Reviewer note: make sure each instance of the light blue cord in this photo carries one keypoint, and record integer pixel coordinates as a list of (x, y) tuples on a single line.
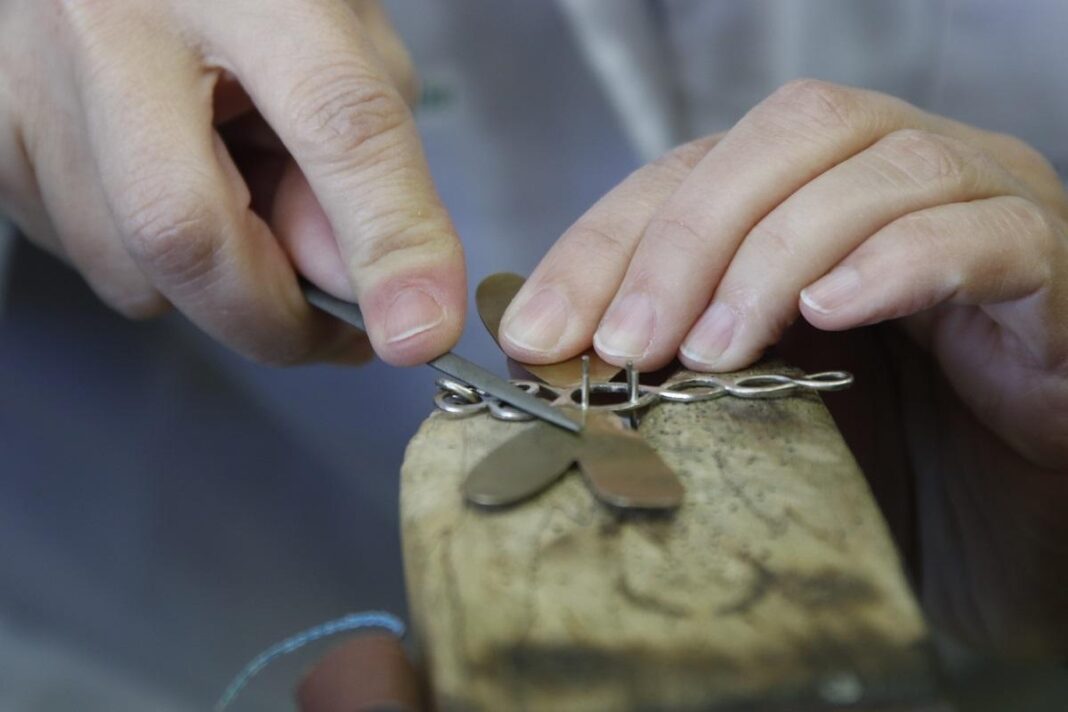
[(353, 621)]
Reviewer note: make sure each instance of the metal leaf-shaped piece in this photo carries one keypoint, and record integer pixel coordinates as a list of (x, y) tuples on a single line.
[(522, 466), (623, 470), (493, 296)]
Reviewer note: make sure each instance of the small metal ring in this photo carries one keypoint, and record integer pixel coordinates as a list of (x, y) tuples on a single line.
[(533, 387), (456, 406), (647, 396), (509, 413), (503, 411), (465, 392)]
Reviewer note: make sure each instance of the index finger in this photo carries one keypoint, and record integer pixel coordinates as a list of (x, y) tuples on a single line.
[(315, 76)]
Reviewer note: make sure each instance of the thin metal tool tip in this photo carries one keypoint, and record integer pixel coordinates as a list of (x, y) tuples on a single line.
[(455, 366)]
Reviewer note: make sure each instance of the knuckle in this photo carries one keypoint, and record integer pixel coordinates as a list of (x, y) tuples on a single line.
[(676, 234), (599, 241), (818, 104), (338, 110), (775, 239), (1023, 152), (758, 306), (923, 157), (402, 246), (174, 234), (139, 305), (920, 226), (681, 160), (1026, 218)]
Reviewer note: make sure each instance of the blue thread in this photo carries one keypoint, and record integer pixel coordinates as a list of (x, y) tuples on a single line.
[(353, 621)]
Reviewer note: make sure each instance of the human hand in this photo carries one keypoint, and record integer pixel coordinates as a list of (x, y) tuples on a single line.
[(848, 207), (203, 154), (852, 208)]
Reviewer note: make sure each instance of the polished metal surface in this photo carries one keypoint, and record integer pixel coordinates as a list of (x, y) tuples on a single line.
[(522, 466), (623, 470)]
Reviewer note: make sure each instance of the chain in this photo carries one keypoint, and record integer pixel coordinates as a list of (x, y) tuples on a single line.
[(460, 400)]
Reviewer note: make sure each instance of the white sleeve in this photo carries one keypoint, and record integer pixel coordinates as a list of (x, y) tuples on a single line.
[(626, 49)]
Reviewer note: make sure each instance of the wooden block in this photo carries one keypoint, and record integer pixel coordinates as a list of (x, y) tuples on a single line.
[(776, 585)]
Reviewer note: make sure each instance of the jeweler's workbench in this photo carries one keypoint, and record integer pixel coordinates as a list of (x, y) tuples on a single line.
[(774, 585)]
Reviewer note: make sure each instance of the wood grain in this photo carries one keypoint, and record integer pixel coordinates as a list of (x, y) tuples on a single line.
[(774, 586)]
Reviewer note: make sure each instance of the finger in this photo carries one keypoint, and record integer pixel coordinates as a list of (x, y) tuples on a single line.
[(554, 315), (1005, 254), (795, 135), (369, 672), (179, 202), (301, 226), (1001, 252), (85, 232), (323, 89), (20, 195), (822, 222)]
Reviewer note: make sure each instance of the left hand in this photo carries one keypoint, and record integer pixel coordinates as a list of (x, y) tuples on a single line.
[(848, 207)]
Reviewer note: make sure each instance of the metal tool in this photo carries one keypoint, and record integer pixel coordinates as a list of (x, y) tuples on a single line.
[(486, 383)]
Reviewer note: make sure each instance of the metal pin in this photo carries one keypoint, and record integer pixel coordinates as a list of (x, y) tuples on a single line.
[(632, 383), (585, 385), (632, 393)]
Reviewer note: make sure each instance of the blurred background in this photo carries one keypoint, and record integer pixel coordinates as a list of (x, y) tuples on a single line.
[(168, 510)]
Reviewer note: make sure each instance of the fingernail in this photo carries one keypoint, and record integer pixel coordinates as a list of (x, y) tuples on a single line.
[(540, 322), (712, 335), (411, 313), (627, 331), (833, 291)]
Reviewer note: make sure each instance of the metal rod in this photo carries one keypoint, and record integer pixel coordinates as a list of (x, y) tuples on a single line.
[(585, 385), (632, 393)]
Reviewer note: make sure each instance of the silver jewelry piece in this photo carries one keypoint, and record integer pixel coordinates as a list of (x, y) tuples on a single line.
[(461, 401)]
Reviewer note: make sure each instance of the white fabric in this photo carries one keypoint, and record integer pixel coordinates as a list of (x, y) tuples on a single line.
[(999, 64)]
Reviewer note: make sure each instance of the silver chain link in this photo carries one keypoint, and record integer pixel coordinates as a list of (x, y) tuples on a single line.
[(461, 401)]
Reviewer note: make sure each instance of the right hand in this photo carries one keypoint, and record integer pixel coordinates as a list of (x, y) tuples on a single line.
[(203, 154)]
